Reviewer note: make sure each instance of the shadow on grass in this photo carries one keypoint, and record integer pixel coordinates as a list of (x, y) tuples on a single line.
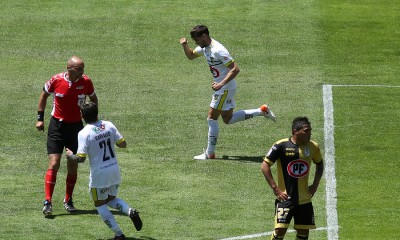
[(135, 238), (81, 212), (258, 159), (94, 212)]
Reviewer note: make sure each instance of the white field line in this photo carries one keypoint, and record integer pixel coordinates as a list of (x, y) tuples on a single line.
[(360, 85), (330, 178), (257, 235)]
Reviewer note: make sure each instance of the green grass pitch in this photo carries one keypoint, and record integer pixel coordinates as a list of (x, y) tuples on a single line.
[(286, 50)]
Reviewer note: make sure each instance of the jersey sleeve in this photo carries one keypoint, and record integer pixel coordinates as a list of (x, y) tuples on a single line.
[(317, 156), (49, 85), (118, 138), (225, 57), (82, 145), (273, 154), (89, 87), (198, 51)]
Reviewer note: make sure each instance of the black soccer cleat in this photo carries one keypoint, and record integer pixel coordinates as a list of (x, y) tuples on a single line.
[(134, 216), (47, 208), (69, 206)]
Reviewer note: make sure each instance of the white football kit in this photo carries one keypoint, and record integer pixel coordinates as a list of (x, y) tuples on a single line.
[(97, 141), (218, 58)]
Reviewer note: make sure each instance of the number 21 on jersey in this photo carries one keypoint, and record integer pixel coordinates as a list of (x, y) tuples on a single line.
[(107, 149)]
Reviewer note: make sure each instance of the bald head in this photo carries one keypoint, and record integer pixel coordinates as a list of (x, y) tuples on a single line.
[(75, 67), (75, 61)]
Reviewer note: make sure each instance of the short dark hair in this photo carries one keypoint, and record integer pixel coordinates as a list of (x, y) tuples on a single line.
[(89, 112), (198, 31), (299, 122)]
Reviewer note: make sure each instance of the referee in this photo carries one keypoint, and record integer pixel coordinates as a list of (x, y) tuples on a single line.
[(69, 90)]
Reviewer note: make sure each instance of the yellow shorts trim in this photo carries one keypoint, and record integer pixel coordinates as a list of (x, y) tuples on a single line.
[(222, 100)]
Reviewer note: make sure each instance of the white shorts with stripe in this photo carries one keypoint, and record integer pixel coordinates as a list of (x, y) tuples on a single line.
[(223, 100), (102, 193)]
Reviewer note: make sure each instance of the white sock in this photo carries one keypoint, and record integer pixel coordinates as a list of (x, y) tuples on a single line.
[(242, 115), (120, 205), (109, 219), (213, 131)]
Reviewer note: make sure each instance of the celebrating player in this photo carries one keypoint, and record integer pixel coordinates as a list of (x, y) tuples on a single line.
[(293, 157), (97, 140), (224, 70), (69, 91)]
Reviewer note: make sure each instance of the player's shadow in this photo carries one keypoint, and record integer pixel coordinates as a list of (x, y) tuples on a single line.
[(258, 159), (136, 238), (81, 212), (94, 212)]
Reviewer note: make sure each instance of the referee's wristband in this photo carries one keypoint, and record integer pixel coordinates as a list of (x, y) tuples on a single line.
[(40, 116)]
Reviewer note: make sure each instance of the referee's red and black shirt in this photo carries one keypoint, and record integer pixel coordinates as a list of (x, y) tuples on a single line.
[(68, 96)]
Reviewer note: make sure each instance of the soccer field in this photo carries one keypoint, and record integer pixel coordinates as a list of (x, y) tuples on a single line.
[(336, 62)]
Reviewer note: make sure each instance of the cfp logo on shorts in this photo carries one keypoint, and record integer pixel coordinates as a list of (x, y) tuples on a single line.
[(298, 168)]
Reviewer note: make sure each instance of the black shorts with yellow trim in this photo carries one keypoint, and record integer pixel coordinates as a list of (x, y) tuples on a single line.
[(303, 215)]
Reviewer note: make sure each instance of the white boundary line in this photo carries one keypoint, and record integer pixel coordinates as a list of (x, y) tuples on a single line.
[(330, 178), (360, 85), (257, 235)]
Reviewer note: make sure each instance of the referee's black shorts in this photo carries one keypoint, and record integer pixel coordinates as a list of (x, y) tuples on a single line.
[(62, 135)]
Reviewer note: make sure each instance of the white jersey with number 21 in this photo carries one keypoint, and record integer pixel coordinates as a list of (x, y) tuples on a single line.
[(97, 141)]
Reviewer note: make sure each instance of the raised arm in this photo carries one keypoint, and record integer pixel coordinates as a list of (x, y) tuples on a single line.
[(188, 51)]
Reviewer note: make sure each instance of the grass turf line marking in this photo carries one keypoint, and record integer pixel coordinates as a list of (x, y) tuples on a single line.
[(360, 85), (257, 235), (330, 178)]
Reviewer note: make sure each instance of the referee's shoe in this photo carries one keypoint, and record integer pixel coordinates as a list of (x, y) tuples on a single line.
[(47, 208), (69, 205)]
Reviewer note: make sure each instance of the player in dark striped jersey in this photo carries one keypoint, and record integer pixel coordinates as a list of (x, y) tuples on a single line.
[(293, 157)]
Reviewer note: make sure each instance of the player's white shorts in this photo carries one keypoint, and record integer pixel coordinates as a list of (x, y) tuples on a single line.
[(223, 100), (102, 193)]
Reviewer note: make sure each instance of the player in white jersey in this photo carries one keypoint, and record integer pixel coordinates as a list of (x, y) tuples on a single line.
[(96, 141), (224, 70)]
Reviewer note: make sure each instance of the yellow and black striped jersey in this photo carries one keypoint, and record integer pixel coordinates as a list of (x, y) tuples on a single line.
[(293, 167)]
